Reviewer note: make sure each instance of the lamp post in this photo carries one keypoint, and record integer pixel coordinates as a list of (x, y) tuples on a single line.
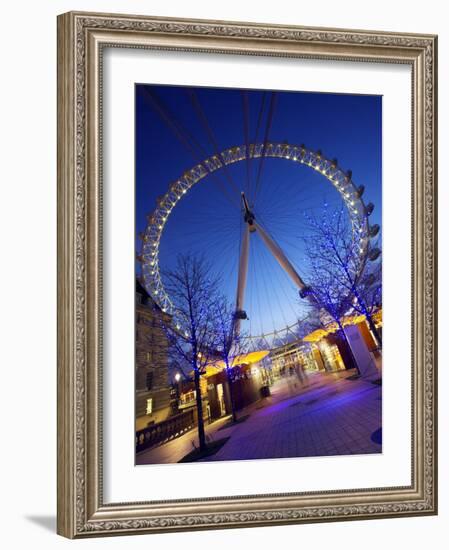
[(177, 379)]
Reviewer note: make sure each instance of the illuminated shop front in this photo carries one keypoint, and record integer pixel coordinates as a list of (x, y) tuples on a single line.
[(326, 349), (331, 350), (289, 357), (331, 354), (250, 373)]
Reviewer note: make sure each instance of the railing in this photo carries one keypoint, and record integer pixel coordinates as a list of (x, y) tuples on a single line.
[(164, 431), (186, 399)]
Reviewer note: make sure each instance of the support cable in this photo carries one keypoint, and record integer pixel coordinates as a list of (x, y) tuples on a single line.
[(265, 142), (259, 122), (205, 123), (193, 147), (245, 105)]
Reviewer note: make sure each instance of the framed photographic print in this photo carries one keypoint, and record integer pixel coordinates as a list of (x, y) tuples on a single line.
[(247, 274)]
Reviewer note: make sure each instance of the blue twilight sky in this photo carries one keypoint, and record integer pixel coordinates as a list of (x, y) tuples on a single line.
[(208, 219)]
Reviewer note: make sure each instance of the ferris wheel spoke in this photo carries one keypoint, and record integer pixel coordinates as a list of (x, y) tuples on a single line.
[(246, 121), (266, 291), (272, 203), (256, 137), (185, 138), (274, 272), (265, 142), (209, 132)]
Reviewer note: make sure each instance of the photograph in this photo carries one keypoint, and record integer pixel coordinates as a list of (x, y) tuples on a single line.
[(231, 221), (258, 274), (246, 246)]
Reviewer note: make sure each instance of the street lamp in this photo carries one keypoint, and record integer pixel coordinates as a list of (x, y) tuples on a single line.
[(177, 379)]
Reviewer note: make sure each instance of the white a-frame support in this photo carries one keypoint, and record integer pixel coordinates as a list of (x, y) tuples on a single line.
[(282, 259), (251, 226), (358, 349), (241, 283)]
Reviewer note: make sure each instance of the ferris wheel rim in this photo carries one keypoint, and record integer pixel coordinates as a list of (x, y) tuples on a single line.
[(329, 169)]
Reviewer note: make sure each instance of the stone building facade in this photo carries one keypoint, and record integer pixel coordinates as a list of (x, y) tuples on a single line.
[(152, 399)]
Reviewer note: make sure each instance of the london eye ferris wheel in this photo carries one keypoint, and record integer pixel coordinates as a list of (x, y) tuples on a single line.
[(228, 177)]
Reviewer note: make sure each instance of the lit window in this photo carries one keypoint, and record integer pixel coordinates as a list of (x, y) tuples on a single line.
[(150, 405)]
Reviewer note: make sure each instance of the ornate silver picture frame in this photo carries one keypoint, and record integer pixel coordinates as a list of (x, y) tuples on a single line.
[(82, 41)]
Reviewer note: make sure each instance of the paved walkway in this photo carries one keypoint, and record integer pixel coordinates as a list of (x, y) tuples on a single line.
[(332, 415)]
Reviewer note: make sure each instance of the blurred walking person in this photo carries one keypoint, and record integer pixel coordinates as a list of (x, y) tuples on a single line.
[(300, 372)]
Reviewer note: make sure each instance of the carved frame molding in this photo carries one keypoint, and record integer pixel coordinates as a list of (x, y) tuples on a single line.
[(81, 39)]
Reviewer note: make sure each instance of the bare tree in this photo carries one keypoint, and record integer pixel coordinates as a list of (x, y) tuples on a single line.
[(308, 323), (230, 343), (337, 284), (368, 296), (191, 333)]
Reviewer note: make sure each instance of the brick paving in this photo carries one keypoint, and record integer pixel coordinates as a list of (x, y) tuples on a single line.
[(331, 415)]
